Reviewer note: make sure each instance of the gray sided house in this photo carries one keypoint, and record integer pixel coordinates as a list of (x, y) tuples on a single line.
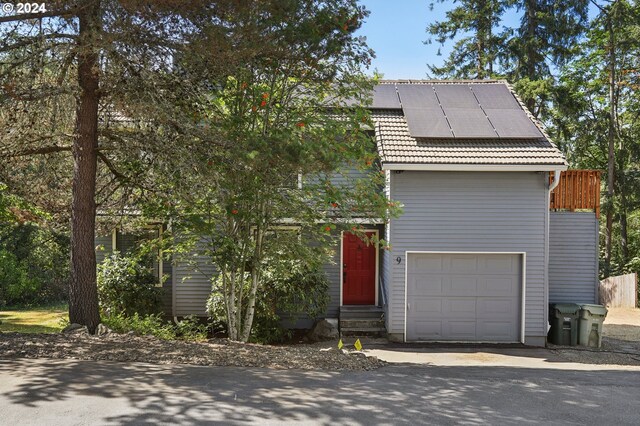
[(478, 254)]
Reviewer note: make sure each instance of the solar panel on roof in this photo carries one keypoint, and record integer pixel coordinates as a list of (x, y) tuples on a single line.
[(417, 96), (426, 122), (510, 123), (495, 96), (455, 96), (470, 123), (385, 97)]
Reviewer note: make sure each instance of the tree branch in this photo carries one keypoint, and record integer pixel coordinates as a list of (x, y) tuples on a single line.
[(36, 151), (111, 167), (60, 13)]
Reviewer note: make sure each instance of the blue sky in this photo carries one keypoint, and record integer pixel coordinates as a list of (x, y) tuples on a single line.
[(396, 30)]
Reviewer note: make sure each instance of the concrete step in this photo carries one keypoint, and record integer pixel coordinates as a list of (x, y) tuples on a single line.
[(363, 332), (361, 312), (361, 323)]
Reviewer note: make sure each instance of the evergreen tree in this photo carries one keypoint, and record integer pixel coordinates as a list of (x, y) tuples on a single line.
[(596, 115), (545, 39), (474, 55)]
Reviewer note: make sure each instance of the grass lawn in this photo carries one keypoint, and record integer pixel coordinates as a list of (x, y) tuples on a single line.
[(45, 319)]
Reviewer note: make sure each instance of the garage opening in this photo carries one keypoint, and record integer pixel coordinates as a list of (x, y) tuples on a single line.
[(467, 297)]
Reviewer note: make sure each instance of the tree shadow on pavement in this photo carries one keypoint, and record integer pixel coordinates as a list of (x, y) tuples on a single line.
[(131, 393)]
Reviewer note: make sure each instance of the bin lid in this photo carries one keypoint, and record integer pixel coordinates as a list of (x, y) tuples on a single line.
[(594, 309), (566, 308)]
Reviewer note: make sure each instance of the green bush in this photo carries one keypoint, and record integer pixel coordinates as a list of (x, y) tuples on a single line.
[(36, 262), (287, 294), (188, 329), (16, 287), (142, 325), (126, 286)]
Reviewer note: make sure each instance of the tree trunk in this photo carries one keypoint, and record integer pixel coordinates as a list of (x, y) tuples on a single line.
[(611, 154), (624, 245), (483, 32), (531, 53), (83, 291)]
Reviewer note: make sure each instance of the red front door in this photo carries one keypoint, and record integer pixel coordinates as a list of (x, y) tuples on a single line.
[(358, 271)]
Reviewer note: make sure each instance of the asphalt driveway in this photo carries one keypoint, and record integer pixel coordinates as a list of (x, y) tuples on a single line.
[(56, 392)]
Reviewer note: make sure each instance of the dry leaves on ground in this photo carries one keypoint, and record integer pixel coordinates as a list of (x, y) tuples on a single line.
[(219, 352)]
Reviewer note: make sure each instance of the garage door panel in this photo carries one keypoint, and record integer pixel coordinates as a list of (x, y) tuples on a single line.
[(427, 308), (466, 297), (463, 264), (426, 330), (460, 307), (460, 330), (495, 308), (426, 263), (497, 330), (460, 285), (498, 264), (425, 285), (497, 286)]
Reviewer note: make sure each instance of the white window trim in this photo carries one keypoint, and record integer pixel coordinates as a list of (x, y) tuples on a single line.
[(523, 287), (377, 278)]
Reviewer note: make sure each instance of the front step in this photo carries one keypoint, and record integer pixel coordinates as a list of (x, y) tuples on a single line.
[(362, 312), (362, 321)]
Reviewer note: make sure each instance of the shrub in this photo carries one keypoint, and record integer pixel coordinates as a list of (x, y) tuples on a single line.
[(126, 286), (36, 263), (300, 291), (16, 287), (143, 325), (188, 329)]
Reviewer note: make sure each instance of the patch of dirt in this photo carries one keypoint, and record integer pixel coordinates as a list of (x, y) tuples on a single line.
[(219, 352)]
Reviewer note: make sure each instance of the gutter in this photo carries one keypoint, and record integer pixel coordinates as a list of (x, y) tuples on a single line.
[(470, 167)]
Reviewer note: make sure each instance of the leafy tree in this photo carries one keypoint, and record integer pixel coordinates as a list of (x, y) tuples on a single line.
[(292, 114)]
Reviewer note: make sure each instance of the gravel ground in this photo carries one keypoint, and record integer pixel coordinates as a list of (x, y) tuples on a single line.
[(620, 341), (219, 352)]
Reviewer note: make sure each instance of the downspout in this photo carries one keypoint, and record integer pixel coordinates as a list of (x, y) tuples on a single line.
[(556, 181), (552, 186)]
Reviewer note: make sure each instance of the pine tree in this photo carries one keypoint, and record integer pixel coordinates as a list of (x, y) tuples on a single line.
[(545, 39), (475, 55)]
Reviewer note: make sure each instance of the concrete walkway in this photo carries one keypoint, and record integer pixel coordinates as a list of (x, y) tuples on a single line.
[(532, 358), (68, 392)]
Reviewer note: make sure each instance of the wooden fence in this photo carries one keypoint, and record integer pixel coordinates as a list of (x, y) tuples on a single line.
[(577, 190), (619, 292)]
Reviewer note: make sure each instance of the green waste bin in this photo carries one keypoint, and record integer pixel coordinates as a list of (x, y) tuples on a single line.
[(590, 326), (564, 323)]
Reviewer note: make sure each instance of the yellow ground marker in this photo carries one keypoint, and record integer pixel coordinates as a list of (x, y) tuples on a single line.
[(340, 344), (358, 345)]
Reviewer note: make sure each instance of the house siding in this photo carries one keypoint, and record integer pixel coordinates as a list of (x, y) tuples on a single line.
[(471, 212), (192, 284), (103, 247), (332, 270), (573, 257)]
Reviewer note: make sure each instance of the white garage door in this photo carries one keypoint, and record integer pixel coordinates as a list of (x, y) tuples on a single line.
[(463, 297)]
